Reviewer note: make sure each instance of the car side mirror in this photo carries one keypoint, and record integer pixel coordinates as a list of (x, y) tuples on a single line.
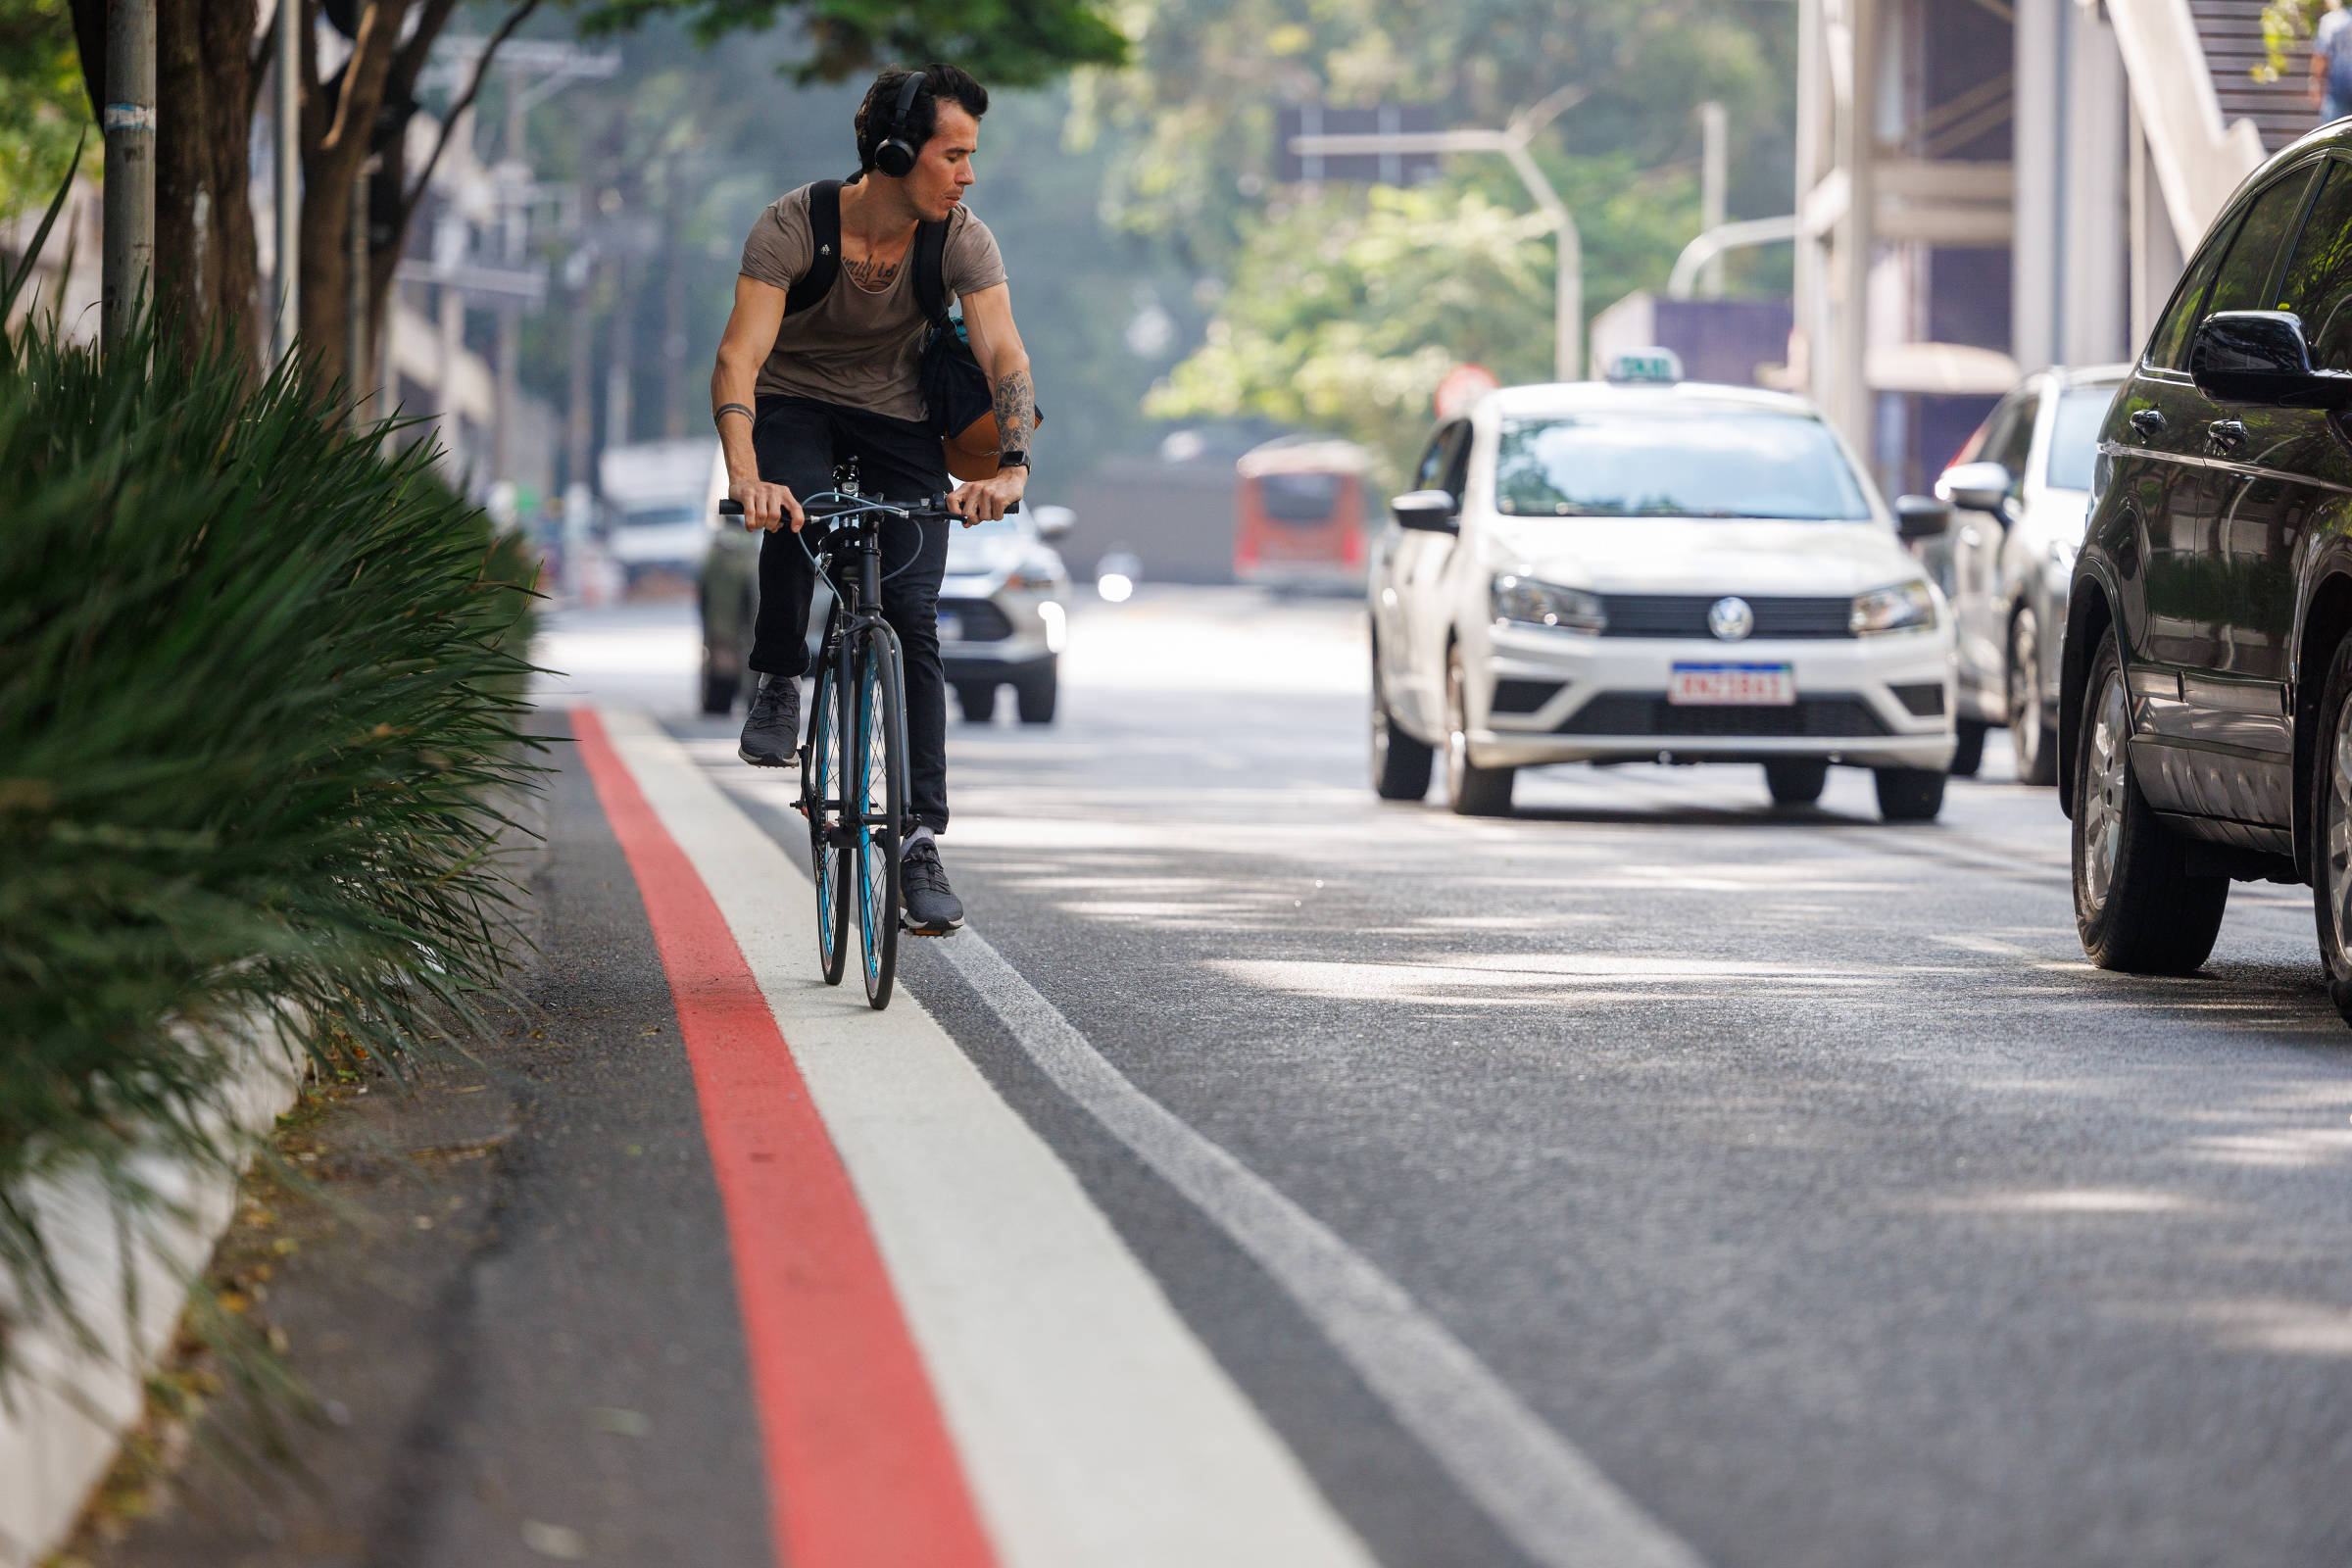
[(1431, 511), (1973, 487), (2261, 357), (1918, 517), (1053, 522)]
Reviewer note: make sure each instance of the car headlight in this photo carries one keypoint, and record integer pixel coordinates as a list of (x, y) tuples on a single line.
[(1904, 606), (1543, 604)]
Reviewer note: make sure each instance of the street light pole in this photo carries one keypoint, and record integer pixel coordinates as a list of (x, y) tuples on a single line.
[(1568, 274), (128, 252)]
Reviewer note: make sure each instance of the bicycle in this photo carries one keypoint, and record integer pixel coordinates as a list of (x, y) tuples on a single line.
[(854, 795)]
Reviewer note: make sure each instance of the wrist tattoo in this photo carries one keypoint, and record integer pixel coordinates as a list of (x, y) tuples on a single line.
[(1016, 412), (725, 409)]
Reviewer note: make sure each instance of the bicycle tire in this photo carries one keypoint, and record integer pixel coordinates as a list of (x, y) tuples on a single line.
[(828, 849), (877, 806)]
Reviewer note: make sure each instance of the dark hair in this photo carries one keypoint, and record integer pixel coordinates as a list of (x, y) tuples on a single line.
[(922, 119)]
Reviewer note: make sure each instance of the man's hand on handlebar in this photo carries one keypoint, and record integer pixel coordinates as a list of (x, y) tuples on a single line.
[(987, 500), (766, 507)]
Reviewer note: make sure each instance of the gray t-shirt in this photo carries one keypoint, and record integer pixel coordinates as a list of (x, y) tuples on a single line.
[(857, 347)]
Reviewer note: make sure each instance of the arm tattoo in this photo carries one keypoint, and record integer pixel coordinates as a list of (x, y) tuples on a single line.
[(1016, 411), (873, 276)]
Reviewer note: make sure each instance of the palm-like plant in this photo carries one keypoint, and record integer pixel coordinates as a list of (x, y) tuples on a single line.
[(260, 724)]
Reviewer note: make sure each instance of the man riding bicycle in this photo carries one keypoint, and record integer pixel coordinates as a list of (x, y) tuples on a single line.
[(805, 385)]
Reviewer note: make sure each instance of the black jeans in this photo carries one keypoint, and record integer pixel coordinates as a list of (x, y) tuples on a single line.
[(799, 442)]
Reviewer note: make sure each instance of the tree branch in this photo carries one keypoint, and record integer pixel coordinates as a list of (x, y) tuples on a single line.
[(464, 101)]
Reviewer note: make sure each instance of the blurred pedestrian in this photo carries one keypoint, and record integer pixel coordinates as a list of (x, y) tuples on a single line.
[(2331, 64)]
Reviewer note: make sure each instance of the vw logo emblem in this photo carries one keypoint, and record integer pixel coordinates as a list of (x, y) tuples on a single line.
[(1730, 619)]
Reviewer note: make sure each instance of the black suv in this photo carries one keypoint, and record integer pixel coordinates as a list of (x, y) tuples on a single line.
[(2207, 670)]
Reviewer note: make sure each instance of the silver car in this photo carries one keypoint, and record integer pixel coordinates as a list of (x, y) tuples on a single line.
[(2019, 494)]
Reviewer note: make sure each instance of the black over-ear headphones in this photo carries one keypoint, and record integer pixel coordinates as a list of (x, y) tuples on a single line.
[(896, 156)]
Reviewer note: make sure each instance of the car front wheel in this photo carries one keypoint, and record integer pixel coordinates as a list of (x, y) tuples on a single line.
[(2136, 905), (1473, 791), (1909, 794), (1967, 755), (1400, 765), (1795, 780), (2331, 813)]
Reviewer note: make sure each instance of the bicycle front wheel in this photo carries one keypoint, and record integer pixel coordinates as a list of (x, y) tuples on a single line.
[(877, 806), (821, 796)]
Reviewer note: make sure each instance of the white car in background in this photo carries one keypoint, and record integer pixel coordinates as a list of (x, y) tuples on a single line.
[(2020, 489), (1614, 572)]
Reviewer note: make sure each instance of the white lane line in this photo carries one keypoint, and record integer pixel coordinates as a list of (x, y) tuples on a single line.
[(1093, 1425), (1545, 1495)]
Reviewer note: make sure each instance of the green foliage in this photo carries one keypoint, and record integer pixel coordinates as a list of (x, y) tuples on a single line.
[(43, 109), (1345, 313), (2285, 26), (1342, 316), (1194, 118), (1018, 44), (261, 706)]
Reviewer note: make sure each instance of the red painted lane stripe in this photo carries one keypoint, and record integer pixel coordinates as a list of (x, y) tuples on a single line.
[(861, 1470)]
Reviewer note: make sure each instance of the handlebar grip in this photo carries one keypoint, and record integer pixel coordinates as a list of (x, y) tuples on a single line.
[(730, 509)]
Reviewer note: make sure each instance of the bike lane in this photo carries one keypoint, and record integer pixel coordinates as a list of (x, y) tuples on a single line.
[(954, 1358)]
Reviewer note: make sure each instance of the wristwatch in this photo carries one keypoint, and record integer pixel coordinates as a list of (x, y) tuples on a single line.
[(1015, 458)]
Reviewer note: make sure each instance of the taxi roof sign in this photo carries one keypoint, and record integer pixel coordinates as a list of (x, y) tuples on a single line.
[(1647, 364)]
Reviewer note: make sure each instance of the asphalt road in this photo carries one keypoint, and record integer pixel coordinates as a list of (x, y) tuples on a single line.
[(1790, 1172)]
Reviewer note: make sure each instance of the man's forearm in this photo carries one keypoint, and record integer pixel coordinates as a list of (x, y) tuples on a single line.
[(1016, 409), (732, 393)]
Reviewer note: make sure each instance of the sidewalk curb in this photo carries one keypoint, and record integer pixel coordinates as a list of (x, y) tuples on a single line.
[(65, 1406)]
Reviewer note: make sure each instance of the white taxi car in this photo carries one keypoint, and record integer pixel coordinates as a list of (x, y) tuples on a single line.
[(1601, 572)]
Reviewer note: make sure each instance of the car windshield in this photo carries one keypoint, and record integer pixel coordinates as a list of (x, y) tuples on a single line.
[(1677, 463), (656, 516), (2075, 435)]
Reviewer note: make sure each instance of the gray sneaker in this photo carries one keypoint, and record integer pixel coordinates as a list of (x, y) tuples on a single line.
[(771, 733), (927, 906)]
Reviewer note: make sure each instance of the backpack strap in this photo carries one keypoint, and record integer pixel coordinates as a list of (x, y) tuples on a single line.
[(824, 236), (930, 271)]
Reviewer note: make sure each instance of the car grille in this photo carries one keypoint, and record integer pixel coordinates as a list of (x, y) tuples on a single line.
[(1648, 713), (982, 622), (1686, 615)]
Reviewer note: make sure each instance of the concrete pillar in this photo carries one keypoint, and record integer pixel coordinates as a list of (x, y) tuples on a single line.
[(2095, 293), (1856, 152), (2041, 158)]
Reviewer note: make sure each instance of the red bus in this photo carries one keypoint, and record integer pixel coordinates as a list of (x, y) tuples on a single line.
[(1300, 521)]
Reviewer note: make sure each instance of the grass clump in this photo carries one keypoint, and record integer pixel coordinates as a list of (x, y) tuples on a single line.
[(262, 691)]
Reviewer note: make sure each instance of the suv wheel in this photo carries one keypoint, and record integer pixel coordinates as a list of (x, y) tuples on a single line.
[(2136, 905), (1473, 791), (2331, 818), (1795, 780), (1034, 695), (1909, 794), (1968, 753), (2030, 730), (1400, 765)]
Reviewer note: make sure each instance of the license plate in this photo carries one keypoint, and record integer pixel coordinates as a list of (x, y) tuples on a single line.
[(950, 628), (1732, 686)]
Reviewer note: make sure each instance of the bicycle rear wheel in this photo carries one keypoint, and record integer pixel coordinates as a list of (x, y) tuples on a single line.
[(821, 798), (878, 804)]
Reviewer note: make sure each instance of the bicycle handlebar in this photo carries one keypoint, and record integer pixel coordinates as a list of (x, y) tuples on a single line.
[(927, 507)]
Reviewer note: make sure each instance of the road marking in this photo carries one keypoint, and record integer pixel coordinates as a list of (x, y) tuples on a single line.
[(1546, 1496), (859, 1467), (1093, 1425)]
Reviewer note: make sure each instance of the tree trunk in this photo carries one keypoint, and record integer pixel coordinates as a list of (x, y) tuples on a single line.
[(206, 271)]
